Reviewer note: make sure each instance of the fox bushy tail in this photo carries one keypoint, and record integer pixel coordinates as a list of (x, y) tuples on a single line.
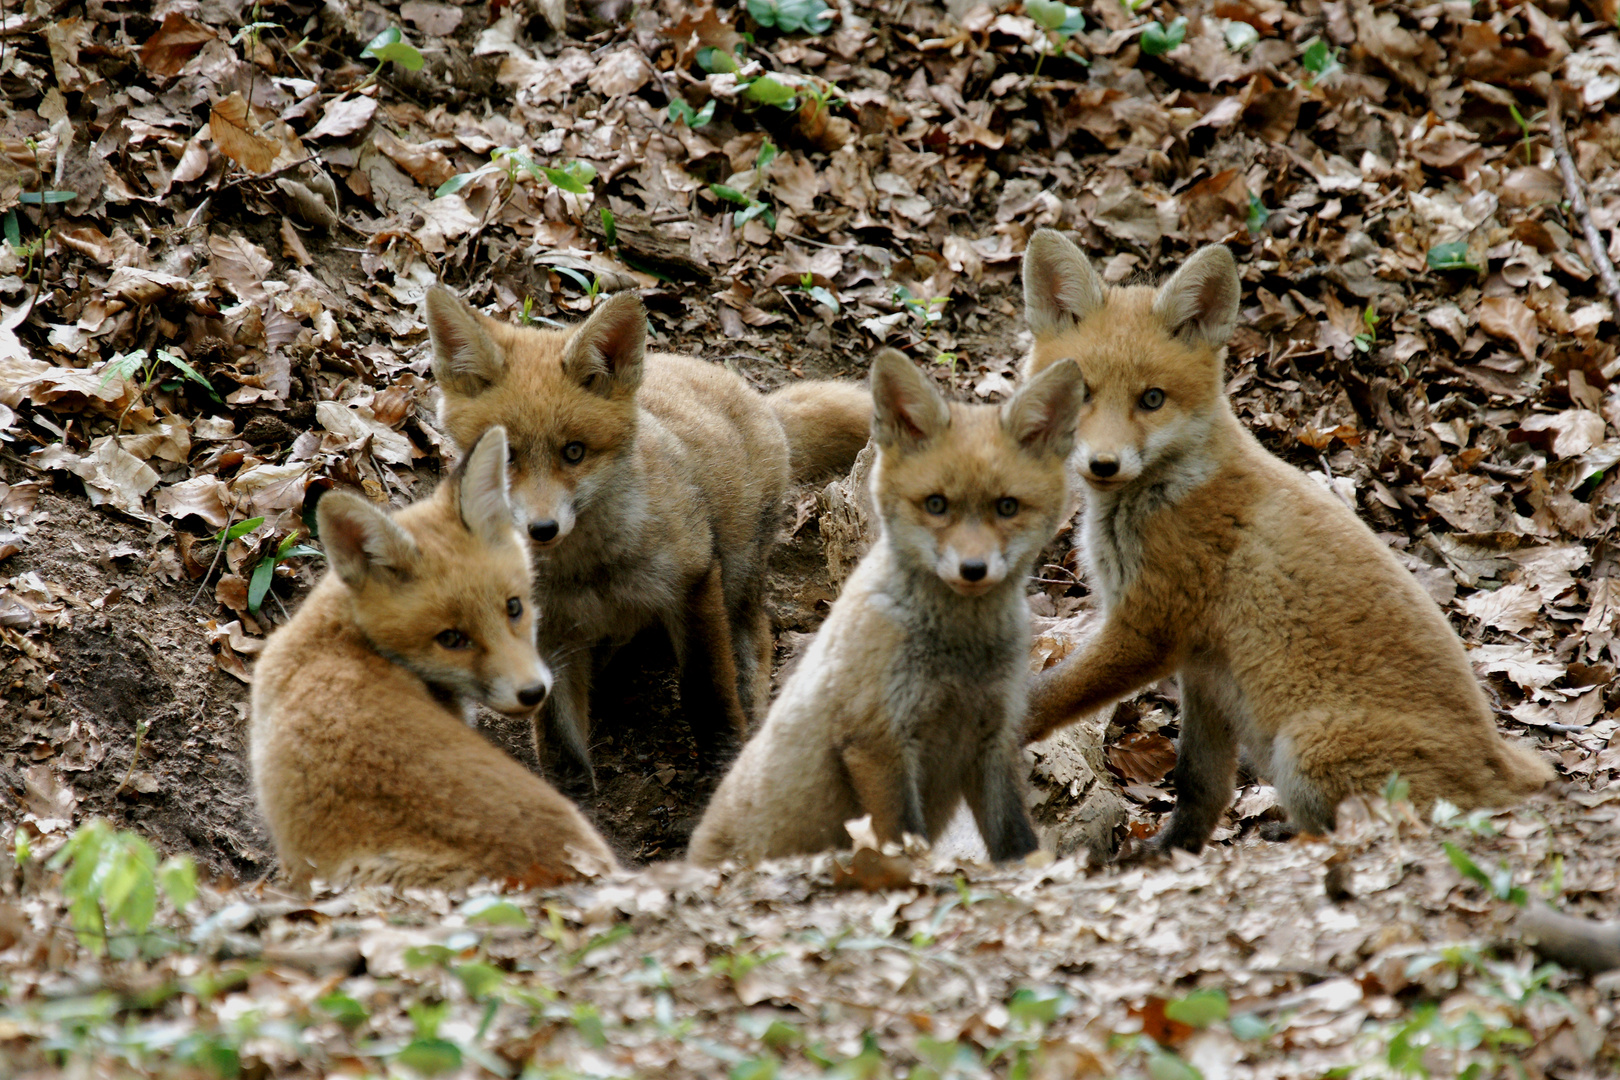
[(827, 424)]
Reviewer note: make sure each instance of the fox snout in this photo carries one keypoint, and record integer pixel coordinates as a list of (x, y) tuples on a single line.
[(546, 516), (522, 692), (1108, 467), (972, 564)]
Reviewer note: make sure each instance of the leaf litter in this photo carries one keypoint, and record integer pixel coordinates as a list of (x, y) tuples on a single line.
[(252, 192)]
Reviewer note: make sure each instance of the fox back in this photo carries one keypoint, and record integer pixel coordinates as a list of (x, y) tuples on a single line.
[(363, 763)]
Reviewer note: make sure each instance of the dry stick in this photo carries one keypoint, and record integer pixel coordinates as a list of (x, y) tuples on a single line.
[(1576, 193), (224, 538), (1573, 942)]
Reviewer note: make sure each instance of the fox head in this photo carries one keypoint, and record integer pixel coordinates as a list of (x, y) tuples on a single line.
[(567, 398), (442, 587), (1151, 358), (970, 493)]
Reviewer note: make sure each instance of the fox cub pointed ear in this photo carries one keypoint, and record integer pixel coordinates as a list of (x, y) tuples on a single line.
[(1060, 285), (1043, 414), (905, 406), (361, 540), (466, 359), (1200, 301), (481, 493), (605, 354)]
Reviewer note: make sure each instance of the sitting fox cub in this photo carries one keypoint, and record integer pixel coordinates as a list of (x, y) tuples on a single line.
[(362, 760), (651, 487), (1295, 632), (910, 697)]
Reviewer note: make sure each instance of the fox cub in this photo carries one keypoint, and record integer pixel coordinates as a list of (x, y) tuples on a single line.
[(362, 760), (910, 697), (1295, 633), (651, 487)]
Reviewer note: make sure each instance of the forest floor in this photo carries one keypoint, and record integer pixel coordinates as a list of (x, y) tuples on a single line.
[(220, 220)]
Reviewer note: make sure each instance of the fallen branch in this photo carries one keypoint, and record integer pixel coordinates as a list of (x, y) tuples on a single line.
[(1576, 194), (1575, 943)]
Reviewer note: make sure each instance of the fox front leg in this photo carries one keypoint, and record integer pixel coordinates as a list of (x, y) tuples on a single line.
[(708, 667), (886, 787), (995, 796), (1206, 768), (1123, 656), (564, 723)]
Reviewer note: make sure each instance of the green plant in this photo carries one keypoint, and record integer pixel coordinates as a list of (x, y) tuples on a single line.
[(1133, 6), (13, 230), (111, 880), (1159, 39), (679, 111), (819, 294), (751, 207), (1524, 131), (1364, 340), (513, 164), (792, 16), (1258, 214), (1240, 36), (1320, 59), (1059, 21), (149, 365), (925, 312), (264, 571), (390, 47), (1452, 256), (591, 285)]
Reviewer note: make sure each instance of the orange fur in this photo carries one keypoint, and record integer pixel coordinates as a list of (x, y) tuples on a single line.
[(1295, 632), (362, 760), (827, 424), (909, 698)]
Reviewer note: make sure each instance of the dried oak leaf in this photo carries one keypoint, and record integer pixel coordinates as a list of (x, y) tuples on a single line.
[(236, 135), (1511, 318), (1143, 757), (175, 42)]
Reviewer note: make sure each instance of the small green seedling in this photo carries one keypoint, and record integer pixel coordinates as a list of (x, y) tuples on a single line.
[(1453, 256), (390, 47), (48, 197), (926, 312), (819, 294), (1159, 39), (1059, 21), (590, 285), (1499, 884), (265, 572), (1199, 1009), (513, 164), (792, 16), (111, 880), (1524, 130), (681, 112), (1258, 214), (751, 207), (1369, 318), (149, 365), (1240, 36), (1320, 59), (1133, 6)]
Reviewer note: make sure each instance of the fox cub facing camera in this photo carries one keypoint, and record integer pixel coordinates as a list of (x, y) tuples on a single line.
[(909, 699), (1294, 631), (651, 487), (363, 762)]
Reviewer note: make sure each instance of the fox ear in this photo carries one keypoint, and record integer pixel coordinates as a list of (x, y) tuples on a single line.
[(906, 407), (466, 359), (361, 540), (605, 354), (1060, 285), (1043, 414), (1200, 301), (481, 495)]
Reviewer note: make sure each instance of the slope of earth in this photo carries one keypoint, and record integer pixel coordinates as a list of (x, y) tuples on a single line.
[(220, 220)]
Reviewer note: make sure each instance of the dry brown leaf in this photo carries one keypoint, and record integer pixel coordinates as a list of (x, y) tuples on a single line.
[(175, 42), (1143, 757), (237, 135), (1509, 317), (343, 117)]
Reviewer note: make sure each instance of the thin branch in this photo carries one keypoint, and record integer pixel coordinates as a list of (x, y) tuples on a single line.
[(1576, 192)]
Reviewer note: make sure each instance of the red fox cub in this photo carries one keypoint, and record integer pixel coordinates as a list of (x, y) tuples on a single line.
[(362, 759), (1295, 633), (910, 697), (651, 487)]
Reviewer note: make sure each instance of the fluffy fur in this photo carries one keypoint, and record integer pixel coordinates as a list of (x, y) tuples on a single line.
[(908, 700), (364, 766), (665, 516), (1295, 633)]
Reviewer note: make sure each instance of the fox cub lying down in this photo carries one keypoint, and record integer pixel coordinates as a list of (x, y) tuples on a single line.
[(909, 699), (1294, 631), (362, 758), (651, 487)]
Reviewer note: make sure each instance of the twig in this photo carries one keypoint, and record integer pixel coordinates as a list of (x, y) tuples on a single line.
[(224, 538), (1576, 193), (140, 734), (1576, 943), (271, 175)]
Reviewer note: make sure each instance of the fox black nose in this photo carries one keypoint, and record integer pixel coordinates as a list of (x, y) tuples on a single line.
[(973, 569), (1104, 467), (543, 532), (530, 696)]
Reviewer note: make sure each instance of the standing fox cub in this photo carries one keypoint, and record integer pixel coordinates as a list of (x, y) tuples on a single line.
[(362, 760), (1295, 632), (651, 487), (910, 697)]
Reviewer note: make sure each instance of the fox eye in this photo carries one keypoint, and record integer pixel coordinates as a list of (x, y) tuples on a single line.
[(574, 453), (452, 639), (1006, 506), (514, 607), (1152, 398), (935, 504)]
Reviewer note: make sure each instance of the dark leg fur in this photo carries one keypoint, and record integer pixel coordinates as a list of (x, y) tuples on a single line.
[(1206, 766), (996, 799), (709, 670), (560, 729)]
